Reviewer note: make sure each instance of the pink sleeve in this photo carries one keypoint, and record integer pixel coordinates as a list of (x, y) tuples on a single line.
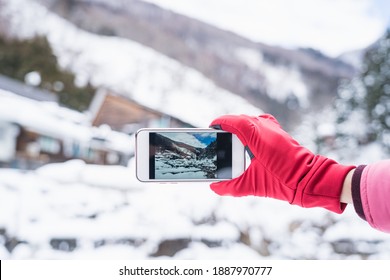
[(375, 194)]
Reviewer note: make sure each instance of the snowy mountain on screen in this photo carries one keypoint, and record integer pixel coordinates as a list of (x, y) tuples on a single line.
[(176, 159), (184, 138)]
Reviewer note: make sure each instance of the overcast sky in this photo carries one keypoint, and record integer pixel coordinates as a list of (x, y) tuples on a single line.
[(332, 26)]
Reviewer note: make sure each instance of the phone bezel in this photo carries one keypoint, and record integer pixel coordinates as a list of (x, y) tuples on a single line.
[(142, 154)]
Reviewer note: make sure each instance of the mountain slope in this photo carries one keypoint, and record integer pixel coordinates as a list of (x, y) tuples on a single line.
[(129, 68), (275, 79)]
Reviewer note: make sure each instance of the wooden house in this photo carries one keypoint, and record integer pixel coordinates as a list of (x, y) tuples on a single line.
[(33, 133), (126, 115), (35, 130)]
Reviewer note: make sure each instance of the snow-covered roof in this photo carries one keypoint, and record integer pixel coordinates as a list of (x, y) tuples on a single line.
[(26, 90), (48, 118)]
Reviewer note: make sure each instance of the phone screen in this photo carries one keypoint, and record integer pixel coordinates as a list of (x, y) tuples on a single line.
[(190, 155)]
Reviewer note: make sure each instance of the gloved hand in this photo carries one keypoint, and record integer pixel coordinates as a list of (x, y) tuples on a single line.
[(280, 167)]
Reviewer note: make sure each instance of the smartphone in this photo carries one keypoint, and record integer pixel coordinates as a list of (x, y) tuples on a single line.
[(181, 154)]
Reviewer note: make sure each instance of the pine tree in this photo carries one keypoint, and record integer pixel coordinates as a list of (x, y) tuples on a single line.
[(19, 57), (363, 106), (376, 80)]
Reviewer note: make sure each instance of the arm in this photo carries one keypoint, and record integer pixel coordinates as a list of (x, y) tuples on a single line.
[(370, 189), (283, 169), (346, 193), (280, 167)]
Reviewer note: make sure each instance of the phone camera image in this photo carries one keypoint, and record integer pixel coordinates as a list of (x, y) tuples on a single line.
[(190, 155)]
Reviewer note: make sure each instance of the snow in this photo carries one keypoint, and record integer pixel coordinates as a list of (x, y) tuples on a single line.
[(319, 24), (32, 114), (124, 218), (33, 78), (165, 171), (58, 122), (326, 129), (281, 80), (186, 138)]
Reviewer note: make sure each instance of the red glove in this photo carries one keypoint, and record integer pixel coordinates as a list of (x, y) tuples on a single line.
[(280, 167)]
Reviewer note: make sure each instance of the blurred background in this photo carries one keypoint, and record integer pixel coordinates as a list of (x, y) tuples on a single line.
[(79, 77)]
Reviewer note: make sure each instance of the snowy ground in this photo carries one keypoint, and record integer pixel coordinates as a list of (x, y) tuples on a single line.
[(167, 168), (78, 211)]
